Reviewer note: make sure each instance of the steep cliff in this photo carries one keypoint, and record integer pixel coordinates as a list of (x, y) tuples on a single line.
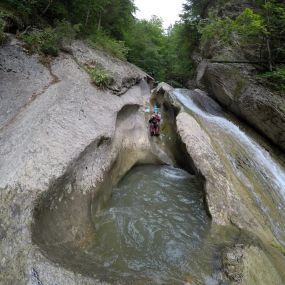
[(229, 72)]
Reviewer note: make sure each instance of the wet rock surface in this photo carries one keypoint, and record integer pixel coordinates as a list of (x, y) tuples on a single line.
[(236, 189), (209, 164), (249, 265)]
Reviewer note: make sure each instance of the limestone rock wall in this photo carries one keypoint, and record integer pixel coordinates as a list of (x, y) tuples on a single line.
[(60, 137), (245, 97)]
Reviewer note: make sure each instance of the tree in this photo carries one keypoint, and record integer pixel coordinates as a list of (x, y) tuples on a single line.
[(274, 14), (146, 40)]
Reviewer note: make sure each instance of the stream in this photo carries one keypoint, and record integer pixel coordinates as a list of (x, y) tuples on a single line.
[(153, 229)]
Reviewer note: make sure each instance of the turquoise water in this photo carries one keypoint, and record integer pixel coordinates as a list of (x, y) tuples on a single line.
[(153, 229)]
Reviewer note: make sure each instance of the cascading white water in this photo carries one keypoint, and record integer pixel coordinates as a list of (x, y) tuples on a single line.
[(266, 174), (261, 156)]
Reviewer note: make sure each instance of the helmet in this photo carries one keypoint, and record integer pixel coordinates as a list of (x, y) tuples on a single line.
[(155, 109)]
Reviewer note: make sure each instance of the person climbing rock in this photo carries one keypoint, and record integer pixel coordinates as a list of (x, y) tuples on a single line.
[(154, 122)]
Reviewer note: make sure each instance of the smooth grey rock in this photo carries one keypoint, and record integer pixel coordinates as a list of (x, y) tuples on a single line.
[(22, 77), (124, 74), (56, 152), (208, 163)]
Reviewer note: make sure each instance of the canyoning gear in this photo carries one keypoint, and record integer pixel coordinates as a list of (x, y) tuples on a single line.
[(154, 124), (155, 109)]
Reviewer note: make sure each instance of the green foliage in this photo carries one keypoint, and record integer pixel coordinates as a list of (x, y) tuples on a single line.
[(7, 18), (99, 77), (110, 26), (215, 28), (146, 40), (65, 31), (103, 22), (263, 30), (106, 43), (2, 34), (10, 18), (194, 9), (178, 67), (248, 25), (42, 42), (49, 40), (276, 78), (112, 16), (273, 12), (16, 11)]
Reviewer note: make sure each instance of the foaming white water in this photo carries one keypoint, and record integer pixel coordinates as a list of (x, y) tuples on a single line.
[(259, 156)]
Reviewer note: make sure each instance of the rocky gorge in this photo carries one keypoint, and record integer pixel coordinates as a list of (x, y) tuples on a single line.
[(65, 144)]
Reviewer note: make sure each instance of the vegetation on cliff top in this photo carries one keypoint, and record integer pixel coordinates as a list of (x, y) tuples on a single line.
[(256, 31), (110, 25)]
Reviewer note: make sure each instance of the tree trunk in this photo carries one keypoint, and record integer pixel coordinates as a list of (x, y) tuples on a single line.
[(268, 41), (87, 16), (99, 22), (47, 7), (269, 54)]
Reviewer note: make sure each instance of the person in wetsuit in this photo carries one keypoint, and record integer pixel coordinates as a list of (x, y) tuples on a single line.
[(154, 123)]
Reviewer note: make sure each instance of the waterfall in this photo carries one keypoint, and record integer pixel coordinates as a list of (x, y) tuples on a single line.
[(261, 156), (257, 169)]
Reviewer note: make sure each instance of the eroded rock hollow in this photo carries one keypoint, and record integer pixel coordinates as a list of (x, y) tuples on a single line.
[(65, 145)]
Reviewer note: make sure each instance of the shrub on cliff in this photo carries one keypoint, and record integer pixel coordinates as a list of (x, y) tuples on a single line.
[(49, 40), (261, 32), (106, 43), (247, 26), (276, 78), (99, 77), (2, 34), (8, 20)]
